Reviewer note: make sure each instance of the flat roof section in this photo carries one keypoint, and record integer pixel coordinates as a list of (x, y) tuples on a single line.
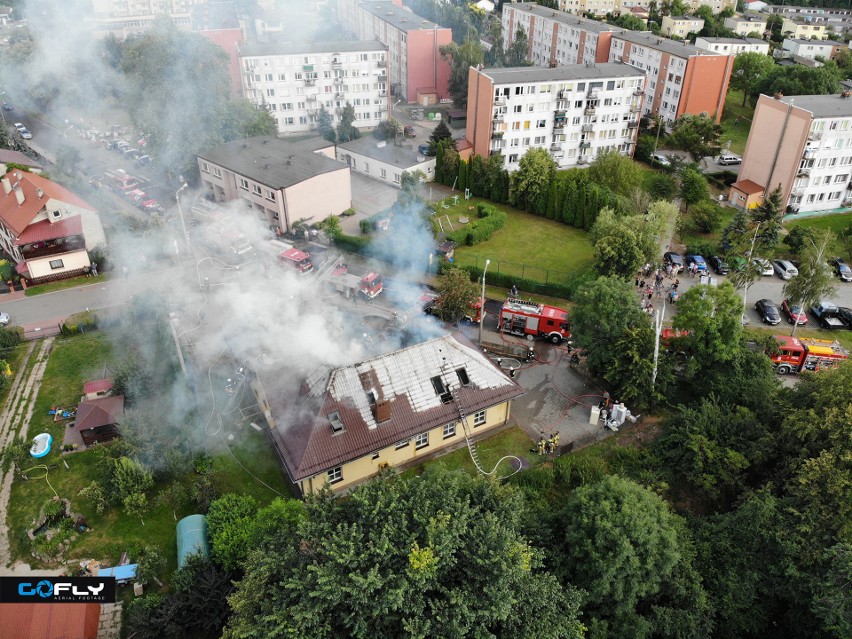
[(822, 106), (256, 48), (562, 73), (561, 17), (402, 19)]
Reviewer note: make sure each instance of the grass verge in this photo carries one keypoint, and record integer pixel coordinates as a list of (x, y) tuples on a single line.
[(61, 285), (836, 223), (736, 122)]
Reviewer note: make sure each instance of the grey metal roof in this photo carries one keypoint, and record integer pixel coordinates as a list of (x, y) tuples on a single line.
[(290, 48), (304, 436), (403, 157), (822, 106), (505, 75), (733, 40), (273, 162), (817, 42), (673, 47), (402, 19), (594, 26)]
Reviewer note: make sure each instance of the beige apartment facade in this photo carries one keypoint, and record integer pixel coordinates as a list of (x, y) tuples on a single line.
[(744, 25), (803, 30), (680, 26), (802, 144)]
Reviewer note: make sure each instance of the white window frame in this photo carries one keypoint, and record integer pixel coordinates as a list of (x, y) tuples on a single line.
[(335, 475), (449, 430), (421, 441), (479, 418)]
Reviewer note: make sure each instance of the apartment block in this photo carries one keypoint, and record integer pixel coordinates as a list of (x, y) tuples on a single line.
[(556, 37), (803, 29), (803, 144), (837, 19), (715, 5), (416, 72), (812, 49), (681, 26), (293, 82), (682, 79), (123, 17), (732, 46), (575, 112), (743, 25)]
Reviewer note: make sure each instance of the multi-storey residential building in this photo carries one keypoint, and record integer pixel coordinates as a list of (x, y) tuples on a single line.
[(123, 17), (743, 25), (732, 46), (294, 81), (278, 181), (682, 79), (416, 71), (812, 49), (576, 112), (803, 29), (803, 144), (715, 5), (837, 19), (556, 37), (681, 26)]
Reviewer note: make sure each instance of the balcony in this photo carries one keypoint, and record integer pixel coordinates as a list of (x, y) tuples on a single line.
[(635, 108), (336, 63), (638, 92), (498, 117), (563, 94), (586, 128), (815, 135), (500, 100), (592, 94), (810, 153), (497, 135), (338, 80), (497, 151), (558, 127), (589, 110), (311, 97), (804, 171), (382, 77), (339, 95), (560, 114), (53, 247), (309, 82), (585, 145), (582, 159), (308, 67), (381, 64), (556, 146), (797, 192), (633, 124), (557, 155)]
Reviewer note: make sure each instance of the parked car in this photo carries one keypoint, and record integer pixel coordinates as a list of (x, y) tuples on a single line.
[(4, 319), (784, 269), (764, 265), (409, 131), (19, 126), (729, 158), (719, 265), (699, 262), (7, 106), (768, 311), (425, 149), (841, 269), (794, 313), (26, 134), (673, 258), (659, 158), (845, 314)]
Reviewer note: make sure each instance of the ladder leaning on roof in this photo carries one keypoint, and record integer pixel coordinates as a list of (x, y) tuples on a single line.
[(471, 445)]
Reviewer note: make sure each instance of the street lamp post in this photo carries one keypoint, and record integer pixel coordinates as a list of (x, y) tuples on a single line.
[(180, 212), (482, 301)]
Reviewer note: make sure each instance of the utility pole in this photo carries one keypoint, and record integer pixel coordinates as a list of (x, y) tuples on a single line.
[(658, 331)]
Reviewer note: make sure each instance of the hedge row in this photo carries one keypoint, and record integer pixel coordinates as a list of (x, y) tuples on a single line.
[(354, 243), (490, 219), (79, 323), (565, 290)]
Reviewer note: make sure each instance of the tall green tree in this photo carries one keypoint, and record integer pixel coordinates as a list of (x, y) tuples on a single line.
[(814, 281), (456, 292), (461, 58), (230, 522), (517, 55), (325, 126), (535, 171), (699, 135), (712, 316), (801, 80), (750, 70), (406, 558), (618, 173), (693, 187), (346, 130), (440, 133), (411, 186)]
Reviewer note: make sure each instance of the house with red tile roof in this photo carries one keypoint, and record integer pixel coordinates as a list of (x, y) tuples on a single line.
[(45, 229), (349, 423)]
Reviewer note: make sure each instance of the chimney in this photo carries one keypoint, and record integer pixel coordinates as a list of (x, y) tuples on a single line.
[(39, 193), (19, 195), (382, 410), (7, 185)]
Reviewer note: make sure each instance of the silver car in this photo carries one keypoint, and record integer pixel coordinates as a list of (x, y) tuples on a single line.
[(784, 269), (4, 319)]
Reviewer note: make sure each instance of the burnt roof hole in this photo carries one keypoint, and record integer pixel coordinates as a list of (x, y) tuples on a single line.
[(336, 422), (463, 377)]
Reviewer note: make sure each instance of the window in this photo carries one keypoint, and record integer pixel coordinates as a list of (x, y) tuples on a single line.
[(421, 441), (401, 445), (217, 171), (517, 108), (335, 475), (257, 190), (205, 167), (375, 455), (383, 173), (270, 93), (541, 124), (244, 184), (513, 157), (270, 195), (449, 430), (479, 418), (54, 264)]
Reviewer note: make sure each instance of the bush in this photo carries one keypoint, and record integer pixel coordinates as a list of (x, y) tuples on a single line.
[(797, 237), (705, 249), (705, 216), (10, 337), (354, 243), (573, 471), (663, 186), (366, 227), (535, 480), (79, 323), (489, 219), (348, 212), (565, 290)]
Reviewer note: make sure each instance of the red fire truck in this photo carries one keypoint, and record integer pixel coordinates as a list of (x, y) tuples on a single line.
[(369, 285), (520, 317), (294, 258), (806, 354)]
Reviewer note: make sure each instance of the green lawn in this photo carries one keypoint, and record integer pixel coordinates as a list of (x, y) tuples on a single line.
[(736, 122), (509, 442), (60, 285), (834, 223), (690, 237), (528, 246)]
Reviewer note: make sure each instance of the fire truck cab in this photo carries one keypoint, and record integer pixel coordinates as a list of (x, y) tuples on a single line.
[(369, 285), (525, 318), (806, 354), (294, 258)]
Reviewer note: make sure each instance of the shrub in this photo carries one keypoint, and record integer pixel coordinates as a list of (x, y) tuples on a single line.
[(10, 337), (662, 186), (797, 237), (366, 227), (348, 212), (535, 480), (564, 290), (705, 216), (354, 243), (489, 219), (705, 249), (572, 470)]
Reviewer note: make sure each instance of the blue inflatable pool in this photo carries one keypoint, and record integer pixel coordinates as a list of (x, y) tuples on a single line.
[(41, 445)]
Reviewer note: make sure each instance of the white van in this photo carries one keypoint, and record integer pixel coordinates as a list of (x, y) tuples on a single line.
[(729, 158)]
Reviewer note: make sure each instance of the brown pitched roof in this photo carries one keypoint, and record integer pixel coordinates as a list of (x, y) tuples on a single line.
[(97, 386), (47, 230), (18, 216), (305, 436), (92, 413), (50, 620), (749, 187)]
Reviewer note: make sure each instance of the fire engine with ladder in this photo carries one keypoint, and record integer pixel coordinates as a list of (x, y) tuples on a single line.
[(797, 354), (531, 320)]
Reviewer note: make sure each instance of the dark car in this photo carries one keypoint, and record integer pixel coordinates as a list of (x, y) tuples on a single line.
[(768, 312), (794, 312), (410, 131), (425, 149), (674, 259), (719, 265), (841, 269), (845, 314)]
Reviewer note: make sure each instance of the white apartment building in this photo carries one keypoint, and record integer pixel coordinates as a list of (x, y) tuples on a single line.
[(575, 112), (294, 81), (812, 49), (743, 25), (556, 37), (732, 46), (123, 17), (681, 26), (803, 29)]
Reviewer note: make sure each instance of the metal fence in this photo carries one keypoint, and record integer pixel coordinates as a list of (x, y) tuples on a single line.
[(515, 269)]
